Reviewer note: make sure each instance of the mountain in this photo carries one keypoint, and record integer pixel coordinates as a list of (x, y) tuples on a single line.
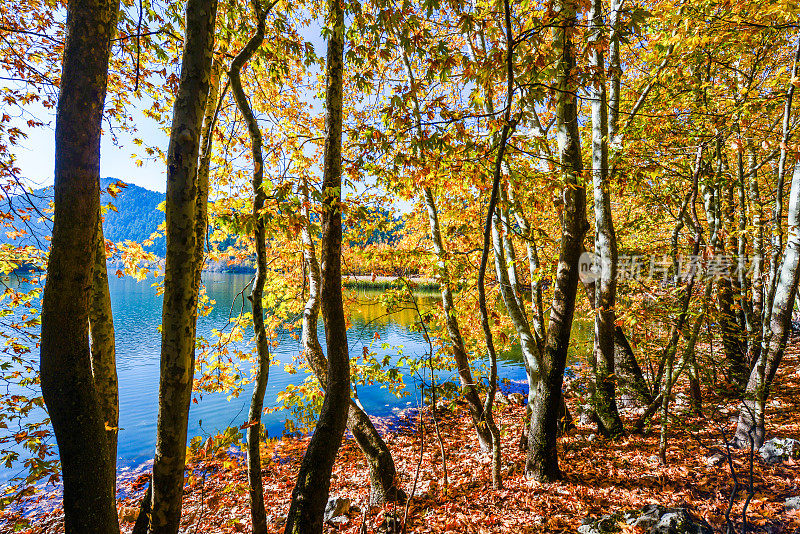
[(136, 217)]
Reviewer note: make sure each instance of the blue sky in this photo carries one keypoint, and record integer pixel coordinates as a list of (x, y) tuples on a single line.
[(35, 155)]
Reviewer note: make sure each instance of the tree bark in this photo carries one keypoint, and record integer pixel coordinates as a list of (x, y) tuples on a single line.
[(757, 285), (468, 386), (310, 494), (181, 283), (777, 213), (384, 485), (104, 354), (258, 513), (604, 387), (542, 461), (68, 387), (750, 428)]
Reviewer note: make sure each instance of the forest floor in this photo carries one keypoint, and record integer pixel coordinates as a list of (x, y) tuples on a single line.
[(599, 476)]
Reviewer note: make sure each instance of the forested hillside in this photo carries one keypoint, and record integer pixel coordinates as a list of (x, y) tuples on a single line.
[(131, 215)]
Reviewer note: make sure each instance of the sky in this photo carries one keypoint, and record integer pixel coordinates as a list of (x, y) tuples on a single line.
[(35, 155)]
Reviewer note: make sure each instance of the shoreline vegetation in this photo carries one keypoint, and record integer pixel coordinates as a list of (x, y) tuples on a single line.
[(601, 476)]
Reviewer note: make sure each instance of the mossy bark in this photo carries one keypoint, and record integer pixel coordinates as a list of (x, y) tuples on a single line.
[(542, 461), (181, 283), (73, 401), (104, 354), (310, 494)]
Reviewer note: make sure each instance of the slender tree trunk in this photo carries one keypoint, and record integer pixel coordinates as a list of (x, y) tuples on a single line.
[(750, 427), (729, 327), (310, 494), (510, 253), (384, 485), (537, 308), (468, 386), (745, 315), (757, 285), (604, 390), (542, 461), (530, 351), (258, 513), (181, 282), (72, 398), (777, 214), (104, 353), (497, 479), (531, 354)]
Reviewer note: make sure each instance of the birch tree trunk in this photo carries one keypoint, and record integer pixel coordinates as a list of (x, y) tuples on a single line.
[(310, 494), (181, 282), (750, 430), (604, 390), (542, 461), (68, 386)]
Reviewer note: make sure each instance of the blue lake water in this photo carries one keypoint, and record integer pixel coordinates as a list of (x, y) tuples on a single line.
[(137, 315)]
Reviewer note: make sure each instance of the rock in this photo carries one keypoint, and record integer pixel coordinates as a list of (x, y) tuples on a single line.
[(795, 328), (777, 450), (443, 405), (792, 503), (714, 459), (516, 398), (591, 437), (390, 525), (652, 519), (627, 400), (654, 459), (337, 506), (499, 398)]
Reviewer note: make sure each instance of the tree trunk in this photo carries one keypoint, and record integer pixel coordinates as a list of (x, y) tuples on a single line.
[(310, 494), (542, 461), (73, 401), (104, 353), (531, 355), (750, 428), (258, 514), (181, 282), (732, 335), (604, 387), (497, 479), (468, 386), (777, 213), (382, 473), (537, 308), (757, 285)]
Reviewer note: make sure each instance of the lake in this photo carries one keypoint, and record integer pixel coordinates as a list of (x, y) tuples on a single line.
[(137, 315)]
